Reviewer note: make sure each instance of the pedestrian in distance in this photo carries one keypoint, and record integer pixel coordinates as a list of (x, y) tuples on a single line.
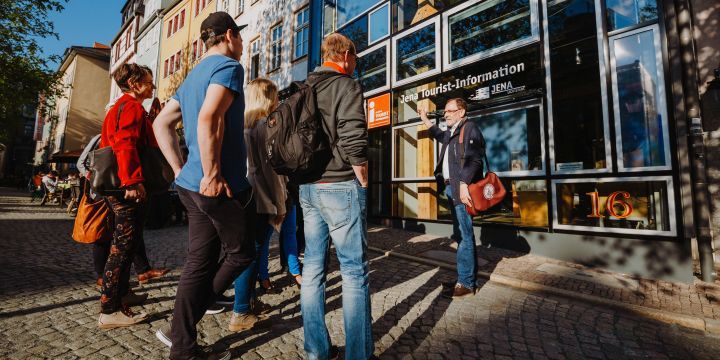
[(333, 200), (212, 184), (127, 130), (456, 173)]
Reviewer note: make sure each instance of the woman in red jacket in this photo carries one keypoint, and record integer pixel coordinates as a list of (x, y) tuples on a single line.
[(127, 129)]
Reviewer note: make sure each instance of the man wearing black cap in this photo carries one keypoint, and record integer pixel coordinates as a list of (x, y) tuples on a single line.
[(212, 183)]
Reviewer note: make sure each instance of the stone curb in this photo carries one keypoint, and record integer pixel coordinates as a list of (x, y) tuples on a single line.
[(711, 326)]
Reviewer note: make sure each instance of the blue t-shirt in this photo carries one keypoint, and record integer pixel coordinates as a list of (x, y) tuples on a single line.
[(221, 70)]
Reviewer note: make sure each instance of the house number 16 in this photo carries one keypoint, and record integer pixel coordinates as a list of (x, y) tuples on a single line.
[(611, 204)]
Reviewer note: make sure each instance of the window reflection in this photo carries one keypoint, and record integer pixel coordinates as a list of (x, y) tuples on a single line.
[(415, 53), (418, 201), (372, 69), (513, 139), (524, 205), (488, 25), (639, 105), (349, 9), (407, 13), (407, 101), (358, 33), (379, 154), (379, 23), (624, 13)]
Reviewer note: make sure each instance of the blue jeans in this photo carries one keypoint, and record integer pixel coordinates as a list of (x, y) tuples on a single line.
[(290, 248), (466, 259), (288, 236), (245, 282), (337, 211)]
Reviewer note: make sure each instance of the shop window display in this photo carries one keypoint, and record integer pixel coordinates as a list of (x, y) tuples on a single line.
[(638, 94), (632, 206), (419, 201), (414, 152), (481, 29)]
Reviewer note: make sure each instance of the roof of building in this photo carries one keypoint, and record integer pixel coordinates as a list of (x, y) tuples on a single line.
[(99, 52)]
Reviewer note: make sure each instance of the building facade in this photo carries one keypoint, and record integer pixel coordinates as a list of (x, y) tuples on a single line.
[(123, 45), (580, 107), (276, 39), (179, 45), (80, 112), (148, 39)]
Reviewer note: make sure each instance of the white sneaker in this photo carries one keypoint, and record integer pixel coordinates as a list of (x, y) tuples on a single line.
[(214, 309), (121, 318), (163, 334)]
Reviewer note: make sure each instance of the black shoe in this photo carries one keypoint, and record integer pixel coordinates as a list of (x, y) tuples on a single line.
[(448, 284), (225, 300), (333, 353), (214, 309), (208, 353)]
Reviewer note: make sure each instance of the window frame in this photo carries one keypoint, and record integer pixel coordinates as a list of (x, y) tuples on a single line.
[(523, 105), (661, 104), (386, 87), (602, 51), (596, 229), (273, 43), (251, 54), (448, 64), (240, 7), (389, 23), (393, 178), (297, 29), (435, 20)]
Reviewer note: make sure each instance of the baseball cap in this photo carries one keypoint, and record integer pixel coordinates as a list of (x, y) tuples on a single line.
[(218, 23)]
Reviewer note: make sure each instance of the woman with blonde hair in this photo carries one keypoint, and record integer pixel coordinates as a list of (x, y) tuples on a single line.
[(270, 193)]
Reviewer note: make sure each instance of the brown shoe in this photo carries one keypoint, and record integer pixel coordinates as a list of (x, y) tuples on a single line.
[(245, 321), (121, 318), (132, 299), (458, 291), (151, 274)]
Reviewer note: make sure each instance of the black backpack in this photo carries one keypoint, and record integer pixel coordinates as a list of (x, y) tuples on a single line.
[(297, 143)]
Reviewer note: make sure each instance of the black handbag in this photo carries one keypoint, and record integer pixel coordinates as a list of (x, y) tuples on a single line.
[(103, 164)]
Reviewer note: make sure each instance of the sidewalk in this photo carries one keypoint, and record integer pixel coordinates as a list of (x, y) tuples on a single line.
[(695, 306)]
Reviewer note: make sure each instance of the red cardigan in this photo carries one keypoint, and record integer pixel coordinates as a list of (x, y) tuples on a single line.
[(133, 133)]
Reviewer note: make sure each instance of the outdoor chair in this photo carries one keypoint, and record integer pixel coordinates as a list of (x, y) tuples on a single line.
[(51, 196)]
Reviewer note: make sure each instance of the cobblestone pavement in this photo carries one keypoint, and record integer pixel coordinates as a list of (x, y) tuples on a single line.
[(49, 309)]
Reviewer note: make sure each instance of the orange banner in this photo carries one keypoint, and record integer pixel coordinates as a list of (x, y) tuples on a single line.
[(378, 111)]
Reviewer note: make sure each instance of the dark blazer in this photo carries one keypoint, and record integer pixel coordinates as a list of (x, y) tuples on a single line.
[(472, 167)]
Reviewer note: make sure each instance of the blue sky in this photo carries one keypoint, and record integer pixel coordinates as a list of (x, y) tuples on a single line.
[(83, 22)]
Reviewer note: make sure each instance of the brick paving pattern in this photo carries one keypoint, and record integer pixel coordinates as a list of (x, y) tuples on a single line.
[(49, 307)]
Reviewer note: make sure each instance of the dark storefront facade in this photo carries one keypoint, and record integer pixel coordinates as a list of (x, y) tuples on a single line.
[(573, 98)]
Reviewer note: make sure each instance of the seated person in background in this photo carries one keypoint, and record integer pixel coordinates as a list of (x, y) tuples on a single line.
[(50, 181)]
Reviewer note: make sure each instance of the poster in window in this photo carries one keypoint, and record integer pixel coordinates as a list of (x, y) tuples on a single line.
[(378, 111)]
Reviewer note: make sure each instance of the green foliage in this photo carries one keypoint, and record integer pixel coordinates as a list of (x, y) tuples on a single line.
[(24, 71)]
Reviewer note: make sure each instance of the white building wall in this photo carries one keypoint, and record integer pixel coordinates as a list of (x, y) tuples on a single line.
[(148, 50), (260, 18)]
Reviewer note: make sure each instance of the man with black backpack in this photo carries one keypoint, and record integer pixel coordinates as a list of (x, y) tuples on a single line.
[(333, 195)]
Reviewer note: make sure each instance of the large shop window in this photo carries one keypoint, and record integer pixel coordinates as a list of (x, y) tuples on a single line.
[(480, 29), (408, 13), (379, 23), (380, 162), (626, 13), (514, 140), (417, 52), (414, 152), (638, 206), (639, 101), (407, 101), (372, 69), (578, 123)]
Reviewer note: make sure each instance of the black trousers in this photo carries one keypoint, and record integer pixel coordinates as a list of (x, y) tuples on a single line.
[(213, 223), (127, 234)]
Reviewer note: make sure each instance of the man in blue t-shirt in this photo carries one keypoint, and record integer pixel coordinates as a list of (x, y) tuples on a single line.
[(212, 183)]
